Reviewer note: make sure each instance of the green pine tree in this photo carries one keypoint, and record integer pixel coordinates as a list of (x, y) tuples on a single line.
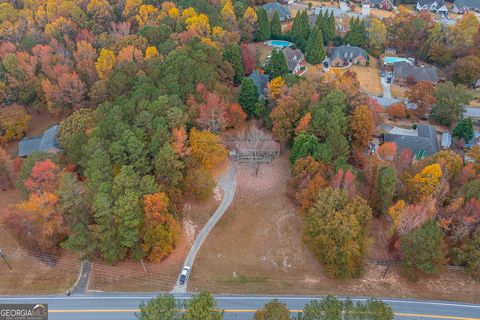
[(357, 35), (248, 96), (315, 52), (276, 26), (300, 30), (263, 25), (277, 65), (233, 54), (329, 29)]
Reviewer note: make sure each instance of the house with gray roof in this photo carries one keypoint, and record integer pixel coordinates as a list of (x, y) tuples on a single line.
[(402, 71), (345, 55), (380, 4), (422, 141), (464, 6), (260, 81), (437, 6), (283, 11), (295, 60), (472, 113), (47, 142)]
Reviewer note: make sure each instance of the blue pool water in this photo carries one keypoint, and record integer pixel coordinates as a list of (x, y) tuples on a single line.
[(278, 43), (391, 60)]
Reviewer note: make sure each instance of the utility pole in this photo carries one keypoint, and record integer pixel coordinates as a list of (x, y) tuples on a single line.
[(4, 257), (388, 267)]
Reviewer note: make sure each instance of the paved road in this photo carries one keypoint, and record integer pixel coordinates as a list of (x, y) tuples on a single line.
[(386, 87), (82, 282), (228, 183), (122, 306)]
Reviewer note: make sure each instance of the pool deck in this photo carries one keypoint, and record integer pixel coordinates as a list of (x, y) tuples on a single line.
[(285, 43)]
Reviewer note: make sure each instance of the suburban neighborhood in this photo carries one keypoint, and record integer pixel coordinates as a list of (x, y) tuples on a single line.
[(240, 159)]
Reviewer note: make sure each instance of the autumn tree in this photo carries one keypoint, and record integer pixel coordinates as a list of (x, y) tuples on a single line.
[(361, 125), (105, 63), (247, 59), (235, 115), (397, 111), (474, 156), (13, 122), (450, 101), (85, 56), (207, 148), (421, 94), (36, 223), (387, 151), (450, 162), (273, 310), (248, 96), (423, 251), (212, 110), (161, 232), (464, 32), (426, 182), (336, 229), (6, 166), (285, 117), (276, 87), (466, 70), (377, 35), (43, 177)]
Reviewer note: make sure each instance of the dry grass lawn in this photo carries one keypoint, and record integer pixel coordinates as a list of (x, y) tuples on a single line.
[(381, 13), (256, 248), (368, 76), (397, 91)]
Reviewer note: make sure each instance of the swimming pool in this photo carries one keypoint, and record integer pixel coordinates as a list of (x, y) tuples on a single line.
[(392, 60), (278, 43)]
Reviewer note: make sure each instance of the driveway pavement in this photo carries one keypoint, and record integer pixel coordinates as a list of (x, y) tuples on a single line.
[(228, 183), (386, 87)]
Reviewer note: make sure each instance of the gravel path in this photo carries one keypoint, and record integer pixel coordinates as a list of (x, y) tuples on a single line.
[(228, 183)]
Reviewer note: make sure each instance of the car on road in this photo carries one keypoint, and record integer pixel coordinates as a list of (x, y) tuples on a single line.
[(389, 77), (184, 274)]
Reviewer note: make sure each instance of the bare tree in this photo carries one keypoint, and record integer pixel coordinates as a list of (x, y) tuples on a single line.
[(256, 147)]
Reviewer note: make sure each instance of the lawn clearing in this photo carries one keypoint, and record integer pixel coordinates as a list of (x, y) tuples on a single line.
[(368, 76), (260, 52), (256, 248)]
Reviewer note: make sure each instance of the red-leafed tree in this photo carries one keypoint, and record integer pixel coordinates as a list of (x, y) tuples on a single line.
[(344, 180), (212, 110), (247, 59), (44, 177), (236, 115)]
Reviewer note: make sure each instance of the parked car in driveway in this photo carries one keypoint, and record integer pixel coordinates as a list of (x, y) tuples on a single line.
[(382, 73), (389, 77), (184, 274)]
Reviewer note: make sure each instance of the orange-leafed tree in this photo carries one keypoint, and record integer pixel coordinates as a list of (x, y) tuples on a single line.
[(179, 142), (130, 54), (361, 125), (387, 151), (304, 123), (285, 117), (344, 180), (235, 115), (207, 148), (36, 223), (161, 232), (421, 94), (306, 196), (397, 111), (6, 166), (85, 57), (212, 110), (44, 177)]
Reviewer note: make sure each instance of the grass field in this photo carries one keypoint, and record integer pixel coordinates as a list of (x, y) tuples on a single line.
[(256, 248), (368, 76)]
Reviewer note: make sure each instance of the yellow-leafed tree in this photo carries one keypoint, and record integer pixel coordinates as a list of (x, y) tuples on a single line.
[(105, 63), (207, 148)]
